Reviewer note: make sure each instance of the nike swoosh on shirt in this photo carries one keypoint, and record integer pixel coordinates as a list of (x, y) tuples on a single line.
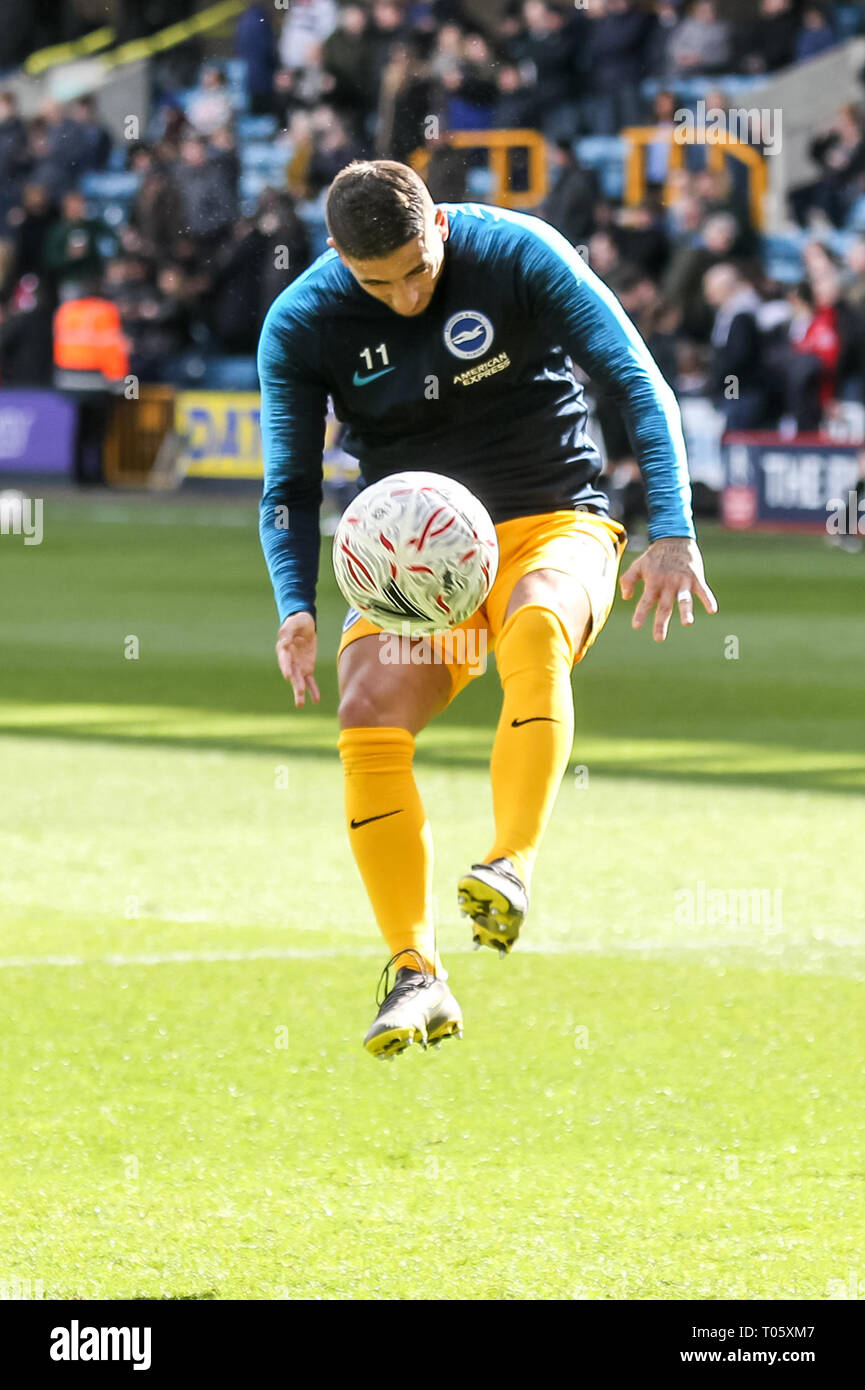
[(356, 824), (548, 719), (365, 380)]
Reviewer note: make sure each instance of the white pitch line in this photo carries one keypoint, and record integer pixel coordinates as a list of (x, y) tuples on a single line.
[(721, 953)]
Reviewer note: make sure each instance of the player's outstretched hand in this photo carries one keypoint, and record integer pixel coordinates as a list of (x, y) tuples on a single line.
[(296, 650), (672, 572)]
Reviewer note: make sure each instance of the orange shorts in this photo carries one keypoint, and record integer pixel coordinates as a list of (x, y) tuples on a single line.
[(579, 543)]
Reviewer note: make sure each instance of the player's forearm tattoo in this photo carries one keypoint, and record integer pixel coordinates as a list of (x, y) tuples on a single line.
[(671, 554)]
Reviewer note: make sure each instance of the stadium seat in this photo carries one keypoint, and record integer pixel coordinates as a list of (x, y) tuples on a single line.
[(692, 89), (264, 156), (480, 183), (113, 184), (605, 154), (782, 256), (253, 183), (255, 127), (229, 374), (235, 71)]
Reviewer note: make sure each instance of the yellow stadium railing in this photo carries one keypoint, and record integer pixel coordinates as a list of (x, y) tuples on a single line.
[(140, 49), (137, 49), (720, 148), (59, 53), (498, 144)]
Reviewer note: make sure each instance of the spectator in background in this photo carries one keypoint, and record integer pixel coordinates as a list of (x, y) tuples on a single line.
[(705, 243), (29, 223), (447, 52), (770, 42), (640, 237), (468, 97), (839, 151), (157, 211), (255, 46), (287, 250), (265, 256), (446, 173), (153, 314), (617, 47), (13, 146), (407, 98), (306, 25), (8, 259), (570, 204), (81, 139), (347, 58), (26, 341), (233, 299), (332, 146), (658, 60), (717, 192), (816, 348), (736, 374), (208, 201), (47, 165), (91, 360), (386, 31), (288, 97), (224, 156), (546, 52), (210, 106), (701, 43), (657, 164), (174, 130), (604, 256), (515, 100), (815, 36), (854, 260), (72, 253)]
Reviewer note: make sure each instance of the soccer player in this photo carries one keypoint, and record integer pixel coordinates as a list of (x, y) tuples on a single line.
[(446, 336)]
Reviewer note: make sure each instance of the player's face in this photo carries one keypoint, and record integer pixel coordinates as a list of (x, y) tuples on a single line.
[(405, 280)]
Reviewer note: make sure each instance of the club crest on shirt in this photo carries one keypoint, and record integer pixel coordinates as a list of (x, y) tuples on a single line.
[(468, 334)]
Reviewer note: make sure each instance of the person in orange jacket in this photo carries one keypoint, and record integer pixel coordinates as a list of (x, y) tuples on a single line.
[(91, 363), (88, 337)]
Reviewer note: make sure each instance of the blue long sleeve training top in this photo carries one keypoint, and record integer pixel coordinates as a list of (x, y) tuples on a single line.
[(479, 387)]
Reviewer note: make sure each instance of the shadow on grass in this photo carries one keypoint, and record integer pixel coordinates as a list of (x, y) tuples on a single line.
[(434, 750)]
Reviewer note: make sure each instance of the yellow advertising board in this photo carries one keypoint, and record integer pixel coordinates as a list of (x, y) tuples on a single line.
[(220, 437), (220, 433)]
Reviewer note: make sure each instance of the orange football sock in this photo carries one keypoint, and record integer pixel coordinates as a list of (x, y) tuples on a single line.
[(535, 731), (390, 838)]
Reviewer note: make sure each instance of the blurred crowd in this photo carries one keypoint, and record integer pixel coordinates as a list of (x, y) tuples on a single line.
[(562, 68), (193, 264)]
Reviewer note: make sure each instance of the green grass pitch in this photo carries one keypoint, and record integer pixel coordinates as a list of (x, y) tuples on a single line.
[(657, 1097)]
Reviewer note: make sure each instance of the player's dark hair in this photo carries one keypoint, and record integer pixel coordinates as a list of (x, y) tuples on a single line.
[(374, 206)]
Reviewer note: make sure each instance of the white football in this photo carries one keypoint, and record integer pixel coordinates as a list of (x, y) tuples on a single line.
[(415, 553)]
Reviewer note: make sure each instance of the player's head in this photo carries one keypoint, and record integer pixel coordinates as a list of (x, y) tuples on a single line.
[(388, 232)]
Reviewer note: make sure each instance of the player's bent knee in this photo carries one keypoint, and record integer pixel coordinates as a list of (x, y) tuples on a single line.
[(562, 594), (359, 709), (369, 700)]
